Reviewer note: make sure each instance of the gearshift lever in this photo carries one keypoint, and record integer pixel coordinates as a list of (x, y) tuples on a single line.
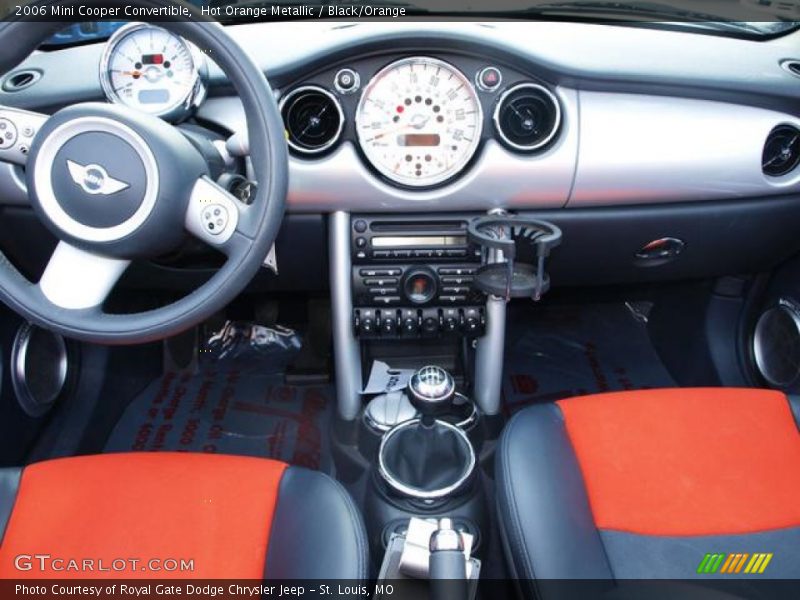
[(426, 458), (431, 391)]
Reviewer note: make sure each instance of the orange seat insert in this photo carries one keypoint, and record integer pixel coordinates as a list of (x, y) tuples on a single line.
[(698, 461), (213, 510)]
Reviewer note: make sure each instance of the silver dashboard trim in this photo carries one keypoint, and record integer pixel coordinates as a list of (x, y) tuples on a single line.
[(346, 353), (489, 357), (642, 149), (613, 149)]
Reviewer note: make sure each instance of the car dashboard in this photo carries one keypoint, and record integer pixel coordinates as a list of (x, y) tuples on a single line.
[(632, 116), (643, 136)]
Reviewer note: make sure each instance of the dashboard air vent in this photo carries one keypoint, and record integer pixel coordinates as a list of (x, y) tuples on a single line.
[(19, 80), (792, 66), (781, 151), (313, 119), (527, 116)]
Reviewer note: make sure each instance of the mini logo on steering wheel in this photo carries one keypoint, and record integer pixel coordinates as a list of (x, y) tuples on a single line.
[(94, 179)]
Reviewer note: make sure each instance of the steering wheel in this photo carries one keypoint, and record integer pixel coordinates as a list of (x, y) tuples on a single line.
[(114, 185)]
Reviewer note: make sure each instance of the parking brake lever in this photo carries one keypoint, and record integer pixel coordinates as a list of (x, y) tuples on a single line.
[(447, 564)]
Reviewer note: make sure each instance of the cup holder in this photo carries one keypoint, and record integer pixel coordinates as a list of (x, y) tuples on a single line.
[(513, 254)]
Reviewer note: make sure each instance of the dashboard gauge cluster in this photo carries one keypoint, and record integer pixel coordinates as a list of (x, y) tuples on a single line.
[(154, 71), (419, 121)]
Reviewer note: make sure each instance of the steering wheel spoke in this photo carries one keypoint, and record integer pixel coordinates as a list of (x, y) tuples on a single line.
[(17, 130), (76, 279), (213, 216)]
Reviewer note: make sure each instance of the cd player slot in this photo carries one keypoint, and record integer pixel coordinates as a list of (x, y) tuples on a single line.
[(428, 241), (417, 226)]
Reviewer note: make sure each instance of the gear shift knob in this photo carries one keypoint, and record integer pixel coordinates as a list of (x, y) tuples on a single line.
[(431, 391)]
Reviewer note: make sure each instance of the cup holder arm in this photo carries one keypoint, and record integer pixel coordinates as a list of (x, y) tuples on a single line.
[(499, 237)]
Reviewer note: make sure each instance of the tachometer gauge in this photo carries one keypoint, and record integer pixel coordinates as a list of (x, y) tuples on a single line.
[(419, 121), (152, 70)]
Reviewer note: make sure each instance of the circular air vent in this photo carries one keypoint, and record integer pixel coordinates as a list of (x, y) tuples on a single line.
[(781, 151), (792, 66), (527, 116), (313, 119)]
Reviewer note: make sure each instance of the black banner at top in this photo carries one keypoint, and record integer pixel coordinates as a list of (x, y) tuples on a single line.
[(754, 12)]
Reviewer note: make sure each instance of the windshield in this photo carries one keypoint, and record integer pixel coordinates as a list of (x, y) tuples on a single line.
[(743, 18)]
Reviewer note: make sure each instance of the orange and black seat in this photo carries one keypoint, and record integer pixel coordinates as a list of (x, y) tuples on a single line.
[(645, 484), (179, 515)]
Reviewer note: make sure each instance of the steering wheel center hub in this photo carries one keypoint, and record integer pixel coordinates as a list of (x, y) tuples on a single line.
[(112, 181), (96, 179)]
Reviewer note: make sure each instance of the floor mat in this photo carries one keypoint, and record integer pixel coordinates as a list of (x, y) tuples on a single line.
[(561, 351), (230, 408)]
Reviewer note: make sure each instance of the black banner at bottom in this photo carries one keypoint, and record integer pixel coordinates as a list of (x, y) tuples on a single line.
[(150, 589)]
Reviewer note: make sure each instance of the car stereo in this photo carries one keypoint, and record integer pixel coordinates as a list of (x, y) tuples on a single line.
[(413, 276)]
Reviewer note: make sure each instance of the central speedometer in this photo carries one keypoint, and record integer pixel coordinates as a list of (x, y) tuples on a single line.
[(419, 121)]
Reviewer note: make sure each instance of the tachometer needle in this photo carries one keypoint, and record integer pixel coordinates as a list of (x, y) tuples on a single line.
[(134, 74)]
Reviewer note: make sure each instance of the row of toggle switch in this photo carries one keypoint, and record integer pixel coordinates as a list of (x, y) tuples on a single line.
[(468, 321)]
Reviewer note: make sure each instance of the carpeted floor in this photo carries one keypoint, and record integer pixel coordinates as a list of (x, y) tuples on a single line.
[(230, 408), (562, 351)]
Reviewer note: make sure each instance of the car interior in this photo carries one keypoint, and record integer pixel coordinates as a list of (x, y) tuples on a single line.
[(489, 307)]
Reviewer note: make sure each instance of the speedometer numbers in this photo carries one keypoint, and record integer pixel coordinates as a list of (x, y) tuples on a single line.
[(152, 70), (419, 121)]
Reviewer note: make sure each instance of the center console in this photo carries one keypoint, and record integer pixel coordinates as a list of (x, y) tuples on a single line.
[(403, 295), (424, 297)]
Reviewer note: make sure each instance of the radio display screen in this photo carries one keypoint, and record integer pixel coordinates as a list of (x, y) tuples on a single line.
[(436, 241)]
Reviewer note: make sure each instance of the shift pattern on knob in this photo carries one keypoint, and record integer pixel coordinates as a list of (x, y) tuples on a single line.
[(431, 390), (432, 383)]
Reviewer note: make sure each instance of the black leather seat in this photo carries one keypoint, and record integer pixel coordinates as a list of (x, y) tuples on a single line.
[(683, 483), (228, 517)]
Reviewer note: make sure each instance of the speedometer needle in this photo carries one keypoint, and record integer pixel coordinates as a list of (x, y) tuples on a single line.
[(389, 132), (418, 123)]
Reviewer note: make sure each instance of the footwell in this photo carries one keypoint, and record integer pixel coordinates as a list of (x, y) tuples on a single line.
[(229, 409), (563, 351)]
